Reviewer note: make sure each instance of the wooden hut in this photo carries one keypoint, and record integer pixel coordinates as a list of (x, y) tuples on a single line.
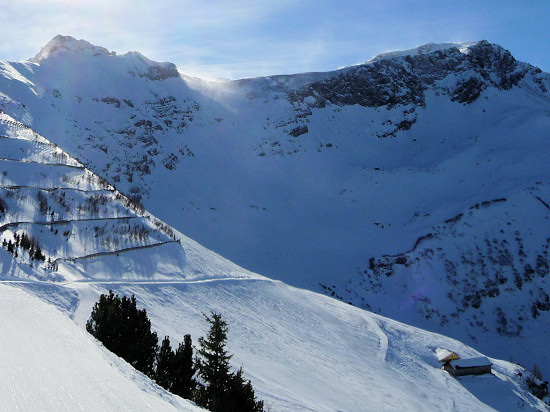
[(472, 366)]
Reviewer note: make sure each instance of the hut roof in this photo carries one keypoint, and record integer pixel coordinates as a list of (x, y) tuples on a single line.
[(444, 355), (471, 362)]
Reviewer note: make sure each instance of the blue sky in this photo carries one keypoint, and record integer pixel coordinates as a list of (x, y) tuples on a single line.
[(235, 39)]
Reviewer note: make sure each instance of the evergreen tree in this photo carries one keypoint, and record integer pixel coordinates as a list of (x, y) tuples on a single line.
[(38, 255), (240, 397), (25, 241), (213, 365), (221, 390), (11, 248), (164, 375), (124, 330), (184, 385)]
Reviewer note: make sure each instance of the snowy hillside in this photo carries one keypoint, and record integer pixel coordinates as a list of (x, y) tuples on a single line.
[(374, 183), (490, 283), (307, 352), (84, 227), (302, 350), (50, 364)]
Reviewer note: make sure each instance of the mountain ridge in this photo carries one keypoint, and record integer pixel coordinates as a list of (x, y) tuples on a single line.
[(327, 345), (307, 178)]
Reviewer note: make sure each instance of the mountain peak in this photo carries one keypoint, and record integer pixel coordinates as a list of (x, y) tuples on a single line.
[(137, 63), (63, 44), (428, 49)]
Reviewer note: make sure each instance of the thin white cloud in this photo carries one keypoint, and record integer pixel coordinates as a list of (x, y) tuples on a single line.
[(242, 38)]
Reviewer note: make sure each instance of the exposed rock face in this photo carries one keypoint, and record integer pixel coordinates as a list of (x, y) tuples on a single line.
[(402, 80)]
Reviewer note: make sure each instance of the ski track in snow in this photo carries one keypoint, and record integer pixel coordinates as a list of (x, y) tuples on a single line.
[(48, 363), (381, 335), (302, 351)]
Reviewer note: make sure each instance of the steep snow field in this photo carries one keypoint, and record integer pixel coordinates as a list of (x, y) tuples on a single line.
[(304, 351), (305, 178), (47, 363)]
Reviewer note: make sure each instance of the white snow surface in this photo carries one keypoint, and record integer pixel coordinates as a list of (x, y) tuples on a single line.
[(442, 353), (302, 351), (48, 363), (471, 362), (63, 44)]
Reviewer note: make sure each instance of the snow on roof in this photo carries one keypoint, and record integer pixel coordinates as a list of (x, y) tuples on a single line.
[(471, 362), (442, 353)]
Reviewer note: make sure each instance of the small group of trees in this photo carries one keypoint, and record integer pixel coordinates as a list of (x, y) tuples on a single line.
[(25, 242), (206, 378), (175, 369), (536, 385), (125, 330)]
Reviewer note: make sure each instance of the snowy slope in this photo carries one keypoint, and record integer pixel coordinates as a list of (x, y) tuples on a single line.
[(491, 283), (307, 352), (48, 363), (303, 178), (302, 350), (84, 227), (296, 177)]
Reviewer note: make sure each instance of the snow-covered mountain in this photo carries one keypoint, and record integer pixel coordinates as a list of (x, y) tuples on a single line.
[(413, 185), (303, 350)]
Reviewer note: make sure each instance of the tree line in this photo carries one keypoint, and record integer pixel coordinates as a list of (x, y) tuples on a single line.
[(205, 378), (25, 242)]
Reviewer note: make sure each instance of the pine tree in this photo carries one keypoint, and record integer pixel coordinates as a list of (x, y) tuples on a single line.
[(241, 395), (221, 390), (164, 374), (11, 248), (25, 241), (213, 364), (142, 344), (125, 331), (38, 255), (184, 385)]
